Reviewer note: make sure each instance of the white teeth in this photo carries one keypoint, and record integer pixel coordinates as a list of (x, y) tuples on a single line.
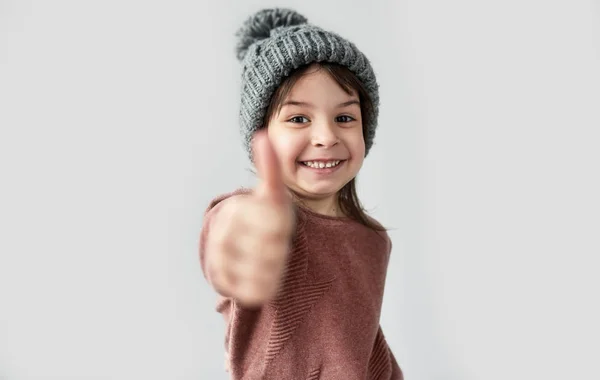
[(321, 164)]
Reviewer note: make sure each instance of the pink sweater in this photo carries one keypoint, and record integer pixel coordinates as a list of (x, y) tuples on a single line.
[(325, 322)]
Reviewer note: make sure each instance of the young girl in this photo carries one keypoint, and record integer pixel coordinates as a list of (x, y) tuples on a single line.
[(299, 266)]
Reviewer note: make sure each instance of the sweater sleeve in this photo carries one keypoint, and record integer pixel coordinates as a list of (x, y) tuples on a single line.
[(397, 373)]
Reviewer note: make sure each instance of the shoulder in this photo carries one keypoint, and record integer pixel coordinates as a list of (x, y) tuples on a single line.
[(381, 232), (220, 198)]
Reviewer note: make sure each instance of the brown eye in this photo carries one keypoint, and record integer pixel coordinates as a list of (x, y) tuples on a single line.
[(345, 119), (298, 119)]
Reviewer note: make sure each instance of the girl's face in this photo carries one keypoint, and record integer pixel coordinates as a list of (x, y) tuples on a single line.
[(318, 136)]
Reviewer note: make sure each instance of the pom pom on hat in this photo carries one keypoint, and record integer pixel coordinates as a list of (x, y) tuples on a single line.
[(259, 26)]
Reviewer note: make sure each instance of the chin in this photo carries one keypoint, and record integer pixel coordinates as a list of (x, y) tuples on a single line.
[(320, 190)]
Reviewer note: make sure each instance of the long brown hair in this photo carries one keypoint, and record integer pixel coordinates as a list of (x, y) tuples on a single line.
[(347, 196)]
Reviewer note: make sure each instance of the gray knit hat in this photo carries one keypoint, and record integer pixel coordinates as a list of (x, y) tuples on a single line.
[(272, 43)]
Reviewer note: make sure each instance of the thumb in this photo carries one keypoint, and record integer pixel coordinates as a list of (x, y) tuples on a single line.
[(271, 184)]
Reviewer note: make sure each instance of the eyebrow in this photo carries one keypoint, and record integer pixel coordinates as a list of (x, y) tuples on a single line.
[(310, 105)]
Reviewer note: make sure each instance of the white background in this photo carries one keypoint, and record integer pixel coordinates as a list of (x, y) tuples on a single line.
[(119, 124)]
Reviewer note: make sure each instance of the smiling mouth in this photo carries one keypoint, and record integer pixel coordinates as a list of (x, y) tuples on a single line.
[(322, 164)]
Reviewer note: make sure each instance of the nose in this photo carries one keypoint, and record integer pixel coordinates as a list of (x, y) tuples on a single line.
[(324, 135)]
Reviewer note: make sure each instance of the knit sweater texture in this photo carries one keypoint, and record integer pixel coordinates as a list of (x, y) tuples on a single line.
[(324, 323)]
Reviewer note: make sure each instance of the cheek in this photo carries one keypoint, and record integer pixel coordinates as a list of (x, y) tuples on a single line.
[(356, 144), (360, 149), (288, 146)]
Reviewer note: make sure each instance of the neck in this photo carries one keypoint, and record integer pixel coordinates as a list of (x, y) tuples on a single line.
[(328, 206)]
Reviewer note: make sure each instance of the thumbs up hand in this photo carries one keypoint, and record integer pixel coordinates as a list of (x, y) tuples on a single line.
[(250, 237)]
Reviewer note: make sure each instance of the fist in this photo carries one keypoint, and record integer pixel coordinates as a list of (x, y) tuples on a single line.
[(250, 237)]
